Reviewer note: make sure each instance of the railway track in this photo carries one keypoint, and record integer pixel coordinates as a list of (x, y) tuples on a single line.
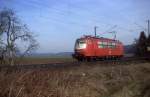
[(123, 61)]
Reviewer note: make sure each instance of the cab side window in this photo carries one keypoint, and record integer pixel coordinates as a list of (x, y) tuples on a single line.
[(102, 44), (111, 45), (105, 44)]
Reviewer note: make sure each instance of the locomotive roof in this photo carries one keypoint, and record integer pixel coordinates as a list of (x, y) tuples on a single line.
[(93, 37)]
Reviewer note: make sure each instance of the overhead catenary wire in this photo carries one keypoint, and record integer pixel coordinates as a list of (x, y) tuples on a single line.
[(56, 17), (58, 10), (61, 12)]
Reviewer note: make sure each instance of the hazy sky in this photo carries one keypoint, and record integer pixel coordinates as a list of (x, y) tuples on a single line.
[(58, 23)]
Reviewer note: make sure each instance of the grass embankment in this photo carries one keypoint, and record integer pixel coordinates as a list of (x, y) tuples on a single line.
[(84, 81)]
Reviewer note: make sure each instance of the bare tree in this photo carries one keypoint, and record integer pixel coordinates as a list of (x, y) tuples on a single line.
[(141, 45), (1, 45), (14, 34)]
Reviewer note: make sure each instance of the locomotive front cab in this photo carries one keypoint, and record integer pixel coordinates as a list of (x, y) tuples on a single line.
[(80, 44), (79, 48)]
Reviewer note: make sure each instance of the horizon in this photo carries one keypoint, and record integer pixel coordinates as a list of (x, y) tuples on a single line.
[(57, 24)]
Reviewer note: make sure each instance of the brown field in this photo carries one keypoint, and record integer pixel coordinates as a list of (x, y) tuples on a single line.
[(43, 60), (92, 80)]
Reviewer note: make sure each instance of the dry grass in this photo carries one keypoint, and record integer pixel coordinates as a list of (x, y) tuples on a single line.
[(84, 81)]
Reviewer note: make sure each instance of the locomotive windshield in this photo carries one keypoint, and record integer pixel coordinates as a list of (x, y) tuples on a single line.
[(80, 44)]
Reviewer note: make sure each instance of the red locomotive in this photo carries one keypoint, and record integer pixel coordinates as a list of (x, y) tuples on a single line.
[(91, 48)]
